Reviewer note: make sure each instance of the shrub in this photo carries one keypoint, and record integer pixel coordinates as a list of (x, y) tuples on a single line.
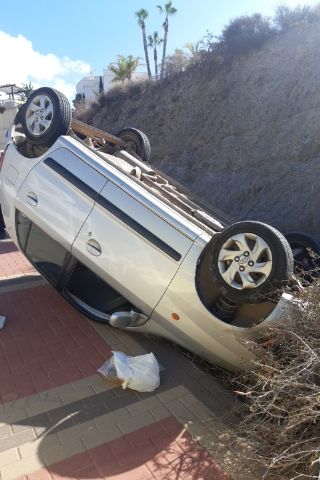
[(211, 49), (207, 42), (79, 101), (245, 33), (286, 17), (282, 393), (177, 62)]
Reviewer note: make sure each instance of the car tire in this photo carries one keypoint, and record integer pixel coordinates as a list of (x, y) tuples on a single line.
[(306, 254), (250, 262), (45, 116), (137, 141)]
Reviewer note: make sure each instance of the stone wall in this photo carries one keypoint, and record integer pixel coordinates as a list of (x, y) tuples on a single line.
[(246, 138)]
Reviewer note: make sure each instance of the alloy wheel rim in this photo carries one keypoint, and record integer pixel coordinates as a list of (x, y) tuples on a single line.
[(245, 261), (39, 115)]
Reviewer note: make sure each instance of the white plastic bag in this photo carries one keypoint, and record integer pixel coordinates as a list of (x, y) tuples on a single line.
[(108, 370), (139, 373)]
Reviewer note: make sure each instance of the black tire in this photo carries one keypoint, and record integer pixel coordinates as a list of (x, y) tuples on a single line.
[(280, 261), (56, 113), (137, 141), (306, 254)]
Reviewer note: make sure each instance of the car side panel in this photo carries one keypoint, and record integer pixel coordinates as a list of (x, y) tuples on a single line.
[(14, 170), (64, 187), (140, 252), (193, 326)]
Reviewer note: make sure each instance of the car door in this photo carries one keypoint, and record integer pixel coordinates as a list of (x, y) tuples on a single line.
[(130, 246), (58, 194)]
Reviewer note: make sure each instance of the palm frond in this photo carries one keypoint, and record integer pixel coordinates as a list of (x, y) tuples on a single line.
[(141, 16)]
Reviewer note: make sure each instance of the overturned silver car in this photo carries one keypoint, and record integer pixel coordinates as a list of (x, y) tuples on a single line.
[(128, 246)]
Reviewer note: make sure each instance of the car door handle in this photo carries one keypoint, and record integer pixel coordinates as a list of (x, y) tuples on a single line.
[(94, 247), (32, 199)]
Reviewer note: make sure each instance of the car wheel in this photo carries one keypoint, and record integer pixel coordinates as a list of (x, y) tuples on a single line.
[(45, 116), (137, 141), (306, 254), (250, 262)]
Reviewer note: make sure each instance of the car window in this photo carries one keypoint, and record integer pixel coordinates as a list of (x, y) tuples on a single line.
[(23, 225), (46, 254)]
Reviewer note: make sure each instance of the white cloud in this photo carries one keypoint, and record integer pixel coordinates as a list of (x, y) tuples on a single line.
[(20, 63)]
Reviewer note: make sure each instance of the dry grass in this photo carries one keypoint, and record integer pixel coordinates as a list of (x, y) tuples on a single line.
[(282, 394)]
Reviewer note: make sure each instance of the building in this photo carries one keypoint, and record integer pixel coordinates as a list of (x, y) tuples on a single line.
[(89, 86)]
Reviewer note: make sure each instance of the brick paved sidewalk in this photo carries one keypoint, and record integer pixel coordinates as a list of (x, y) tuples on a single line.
[(13, 263), (60, 420)]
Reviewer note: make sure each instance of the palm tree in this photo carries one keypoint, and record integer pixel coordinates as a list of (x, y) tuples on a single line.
[(153, 42), (142, 15), (124, 67), (168, 10), (194, 48), (26, 90)]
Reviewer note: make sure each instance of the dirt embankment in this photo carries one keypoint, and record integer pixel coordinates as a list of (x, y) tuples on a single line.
[(246, 139)]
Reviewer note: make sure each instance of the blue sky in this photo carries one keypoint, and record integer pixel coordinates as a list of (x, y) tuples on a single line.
[(60, 40)]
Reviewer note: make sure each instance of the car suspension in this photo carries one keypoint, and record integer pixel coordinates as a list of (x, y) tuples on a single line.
[(225, 309)]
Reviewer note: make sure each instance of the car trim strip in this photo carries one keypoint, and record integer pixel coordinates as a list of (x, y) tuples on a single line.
[(76, 181), (113, 209), (137, 227)]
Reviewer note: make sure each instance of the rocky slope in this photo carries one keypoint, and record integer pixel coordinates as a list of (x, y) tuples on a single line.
[(246, 138)]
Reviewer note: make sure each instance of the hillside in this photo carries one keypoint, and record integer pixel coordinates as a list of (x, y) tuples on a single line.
[(246, 138)]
